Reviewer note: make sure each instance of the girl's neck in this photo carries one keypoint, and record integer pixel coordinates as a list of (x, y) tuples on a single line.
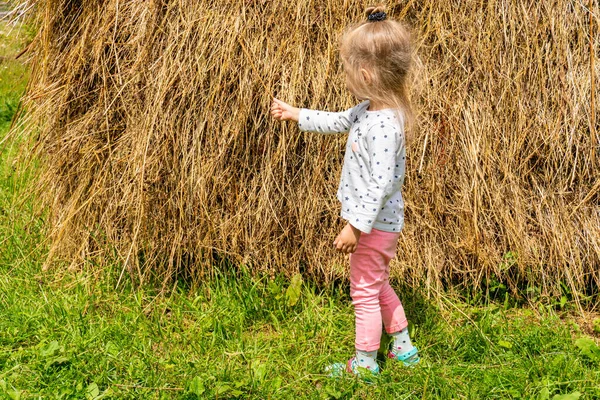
[(375, 105)]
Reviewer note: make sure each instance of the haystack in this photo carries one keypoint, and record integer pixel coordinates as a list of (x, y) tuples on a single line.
[(158, 155)]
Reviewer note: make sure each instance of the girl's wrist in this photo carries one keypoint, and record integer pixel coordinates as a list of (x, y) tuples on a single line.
[(355, 230), (295, 114)]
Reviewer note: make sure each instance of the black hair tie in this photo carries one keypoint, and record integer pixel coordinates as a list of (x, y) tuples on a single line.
[(378, 16)]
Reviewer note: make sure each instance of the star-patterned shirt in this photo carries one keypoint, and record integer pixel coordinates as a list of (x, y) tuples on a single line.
[(374, 164)]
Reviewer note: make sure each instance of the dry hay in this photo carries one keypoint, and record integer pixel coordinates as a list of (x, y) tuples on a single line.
[(157, 148)]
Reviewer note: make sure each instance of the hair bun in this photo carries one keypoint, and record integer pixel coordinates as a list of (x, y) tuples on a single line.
[(376, 13)]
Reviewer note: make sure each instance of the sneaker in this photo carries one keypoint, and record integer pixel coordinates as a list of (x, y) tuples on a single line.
[(351, 367), (408, 358)]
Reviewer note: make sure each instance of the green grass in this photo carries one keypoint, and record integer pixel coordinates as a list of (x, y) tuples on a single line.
[(13, 73), (236, 336), (74, 336)]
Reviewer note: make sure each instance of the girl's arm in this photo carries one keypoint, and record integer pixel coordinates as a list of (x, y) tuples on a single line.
[(315, 120)]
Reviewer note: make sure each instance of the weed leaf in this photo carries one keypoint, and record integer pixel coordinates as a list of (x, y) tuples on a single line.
[(50, 350), (588, 348), (570, 396), (332, 393), (92, 391), (197, 387), (563, 301), (544, 394), (274, 288), (222, 389), (112, 349), (260, 370), (14, 394), (596, 324), (276, 383), (293, 291), (57, 361)]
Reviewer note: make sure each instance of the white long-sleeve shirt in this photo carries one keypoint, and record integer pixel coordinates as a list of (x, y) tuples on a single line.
[(374, 164)]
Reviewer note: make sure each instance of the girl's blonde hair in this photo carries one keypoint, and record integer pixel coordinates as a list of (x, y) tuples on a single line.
[(384, 49)]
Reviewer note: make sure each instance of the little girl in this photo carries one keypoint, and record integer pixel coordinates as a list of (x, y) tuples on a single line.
[(376, 56)]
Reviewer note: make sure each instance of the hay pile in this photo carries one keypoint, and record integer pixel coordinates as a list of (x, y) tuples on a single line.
[(157, 147)]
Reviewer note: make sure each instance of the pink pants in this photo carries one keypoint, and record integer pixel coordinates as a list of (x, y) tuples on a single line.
[(373, 298)]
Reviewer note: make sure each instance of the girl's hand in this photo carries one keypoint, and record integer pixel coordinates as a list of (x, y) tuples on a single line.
[(284, 112), (347, 240)]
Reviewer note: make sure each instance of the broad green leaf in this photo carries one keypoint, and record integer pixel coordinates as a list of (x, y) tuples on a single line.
[(196, 386), (570, 396), (293, 291), (515, 393), (276, 383), (596, 325), (112, 349), (241, 383), (544, 394), (563, 301), (274, 288), (336, 394), (56, 361), (260, 370), (50, 350), (505, 344), (222, 389), (588, 348), (14, 394), (92, 391)]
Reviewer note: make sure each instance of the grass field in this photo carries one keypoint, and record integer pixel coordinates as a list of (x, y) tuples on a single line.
[(238, 336)]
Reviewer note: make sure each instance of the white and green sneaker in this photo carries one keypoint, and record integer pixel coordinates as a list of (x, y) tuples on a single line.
[(338, 370), (408, 358)]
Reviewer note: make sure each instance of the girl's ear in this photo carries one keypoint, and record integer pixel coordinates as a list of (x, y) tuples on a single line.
[(366, 76)]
